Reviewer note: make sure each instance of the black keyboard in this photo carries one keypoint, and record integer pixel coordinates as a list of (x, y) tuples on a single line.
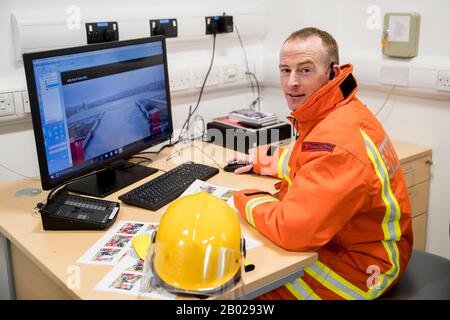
[(167, 187)]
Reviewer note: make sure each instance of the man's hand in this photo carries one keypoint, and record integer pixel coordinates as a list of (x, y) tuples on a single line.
[(247, 168), (260, 162), (245, 164)]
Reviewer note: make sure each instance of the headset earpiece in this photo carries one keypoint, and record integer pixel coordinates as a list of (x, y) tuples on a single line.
[(331, 71)]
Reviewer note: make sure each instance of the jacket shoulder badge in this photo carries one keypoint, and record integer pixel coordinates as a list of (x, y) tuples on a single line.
[(317, 146)]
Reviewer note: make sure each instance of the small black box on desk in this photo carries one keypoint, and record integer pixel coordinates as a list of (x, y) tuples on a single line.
[(240, 137)]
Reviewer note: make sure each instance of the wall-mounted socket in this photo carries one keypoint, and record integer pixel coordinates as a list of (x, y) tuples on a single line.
[(7, 104), (214, 78), (164, 27), (180, 80), (26, 102), (219, 24), (230, 73), (102, 32), (443, 80)]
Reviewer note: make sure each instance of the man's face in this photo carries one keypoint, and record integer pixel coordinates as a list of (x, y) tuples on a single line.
[(304, 68)]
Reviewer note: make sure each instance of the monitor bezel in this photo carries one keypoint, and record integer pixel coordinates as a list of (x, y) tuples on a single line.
[(28, 58)]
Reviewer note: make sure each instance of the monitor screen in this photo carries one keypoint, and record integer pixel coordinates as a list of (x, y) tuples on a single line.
[(95, 104)]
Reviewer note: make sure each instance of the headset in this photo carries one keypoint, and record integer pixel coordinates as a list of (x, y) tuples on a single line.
[(332, 71)]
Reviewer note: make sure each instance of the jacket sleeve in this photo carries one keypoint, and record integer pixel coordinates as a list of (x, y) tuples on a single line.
[(326, 192), (269, 164)]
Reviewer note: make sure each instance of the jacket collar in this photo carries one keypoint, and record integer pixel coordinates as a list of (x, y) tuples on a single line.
[(326, 99)]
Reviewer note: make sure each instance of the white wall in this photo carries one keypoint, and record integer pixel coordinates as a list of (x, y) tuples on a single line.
[(407, 118)]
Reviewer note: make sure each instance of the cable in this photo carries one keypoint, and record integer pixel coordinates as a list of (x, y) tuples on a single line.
[(201, 90), (258, 99), (186, 123), (203, 128), (63, 185), (17, 173), (245, 58), (250, 75), (189, 119), (177, 152), (131, 165), (386, 100), (170, 144), (138, 157)]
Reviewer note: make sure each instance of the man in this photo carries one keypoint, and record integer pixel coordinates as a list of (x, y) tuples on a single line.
[(342, 191)]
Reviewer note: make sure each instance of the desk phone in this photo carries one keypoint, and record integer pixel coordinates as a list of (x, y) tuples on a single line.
[(66, 211)]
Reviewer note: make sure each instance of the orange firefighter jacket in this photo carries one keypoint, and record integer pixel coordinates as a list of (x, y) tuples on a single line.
[(342, 194)]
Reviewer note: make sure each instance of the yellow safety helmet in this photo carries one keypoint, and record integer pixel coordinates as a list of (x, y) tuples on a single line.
[(198, 246)]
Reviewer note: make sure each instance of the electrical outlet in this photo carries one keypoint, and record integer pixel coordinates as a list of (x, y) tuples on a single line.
[(102, 32), (6, 104), (165, 27), (443, 80), (18, 104), (218, 24), (214, 77), (26, 102), (180, 80), (230, 73)]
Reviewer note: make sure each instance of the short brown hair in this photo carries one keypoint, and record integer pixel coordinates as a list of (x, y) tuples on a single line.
[(328, 41)]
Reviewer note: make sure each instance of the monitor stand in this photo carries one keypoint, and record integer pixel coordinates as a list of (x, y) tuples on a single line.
[(110, 180)]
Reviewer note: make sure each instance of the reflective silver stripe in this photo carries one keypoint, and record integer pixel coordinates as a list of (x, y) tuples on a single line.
[(392, 273), (324, 275), (395, 159), (301, 290), (383, 143), (391, 153)]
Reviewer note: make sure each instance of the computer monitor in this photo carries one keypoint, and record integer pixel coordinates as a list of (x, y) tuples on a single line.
[(96, 104)]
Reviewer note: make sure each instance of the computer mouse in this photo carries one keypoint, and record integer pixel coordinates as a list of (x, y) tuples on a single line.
[(235, 165)]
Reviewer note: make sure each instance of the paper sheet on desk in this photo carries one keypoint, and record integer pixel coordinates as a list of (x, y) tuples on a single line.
[(110, 248), (126, 277), (220, 192), (225, 194)]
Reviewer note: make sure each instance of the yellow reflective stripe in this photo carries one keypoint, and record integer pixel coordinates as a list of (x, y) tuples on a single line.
[(311, 294), (280, 163), (294, 291), (286, 176), (286, 168), (283, 165), (301, 290), (252, 204)]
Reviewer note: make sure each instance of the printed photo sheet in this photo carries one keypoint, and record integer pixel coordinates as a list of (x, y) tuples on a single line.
[(115, 242), (126, 277)]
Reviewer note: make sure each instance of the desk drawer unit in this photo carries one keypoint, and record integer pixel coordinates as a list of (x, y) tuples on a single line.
[(416, 170)]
